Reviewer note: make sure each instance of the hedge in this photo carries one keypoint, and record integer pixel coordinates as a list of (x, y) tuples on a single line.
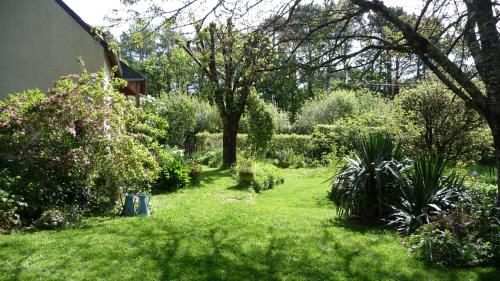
[(300, 144)]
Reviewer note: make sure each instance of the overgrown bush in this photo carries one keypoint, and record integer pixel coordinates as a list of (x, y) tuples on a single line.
[(433, 119), (174, 173), (9, 206), (51, 219), (212, 158), (186, 115), (337, 138), (195, 173), (258, 175), (280, 120), (288, 158), (326, 109), (260, 126), (461, 238), (72, 147)]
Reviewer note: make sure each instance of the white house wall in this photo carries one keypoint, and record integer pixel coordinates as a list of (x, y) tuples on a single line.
[(40, 42)]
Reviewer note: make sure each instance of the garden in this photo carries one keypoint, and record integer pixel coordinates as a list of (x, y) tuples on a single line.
[(250, 172)]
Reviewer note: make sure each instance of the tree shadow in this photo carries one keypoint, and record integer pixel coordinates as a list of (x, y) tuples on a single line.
[(220, 252), (355, 225), (210, 176)]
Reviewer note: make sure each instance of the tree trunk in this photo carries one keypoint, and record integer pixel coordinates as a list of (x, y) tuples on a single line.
[(494, 124), (497, 153), (229, 135), (495, 130)]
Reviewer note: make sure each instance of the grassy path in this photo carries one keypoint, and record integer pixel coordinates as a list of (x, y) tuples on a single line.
[(217, 232)]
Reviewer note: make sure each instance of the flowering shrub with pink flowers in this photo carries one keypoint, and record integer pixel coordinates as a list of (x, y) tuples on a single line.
[(79, 147)]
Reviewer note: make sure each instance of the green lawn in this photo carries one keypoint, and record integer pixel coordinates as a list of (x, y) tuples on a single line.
[(217, 232)]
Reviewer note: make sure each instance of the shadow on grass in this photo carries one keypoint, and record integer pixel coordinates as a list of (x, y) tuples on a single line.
[(219, 251), (223, 257), (355, 225), (209, 177)]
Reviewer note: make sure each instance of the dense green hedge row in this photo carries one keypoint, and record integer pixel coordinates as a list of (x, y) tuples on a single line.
[(300, 144)]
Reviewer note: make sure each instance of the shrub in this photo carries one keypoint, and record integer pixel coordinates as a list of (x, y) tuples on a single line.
[(299, 144), (152, 128), (461, 239), (260, 126), (195, 173), (288, 158), (280, 118), (185, 115), (326, 109), (9, 206), (51, 219), (207, 118), (367, 183), (338, 137), (284, 159), (174, 172), (212, 158), (433, 119), (267, 177), (73, 147), (246, 171), (258, 175)]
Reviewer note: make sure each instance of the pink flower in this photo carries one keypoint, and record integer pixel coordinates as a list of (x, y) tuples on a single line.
[(72, 131)]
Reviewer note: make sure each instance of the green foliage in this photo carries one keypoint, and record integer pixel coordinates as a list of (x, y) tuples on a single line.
[(51, 219), (173, 73), (195, 173), (174, 172), (367, 184), (9, 204), (280, 118), (261, 126), (326, 109), (461, 238), (258, 175), (74, 147), (337, 138), (152, 128), (428, 192), (211, 158), (433, 119), (288, 158), (285, 158), (185, 115), (300, 144)]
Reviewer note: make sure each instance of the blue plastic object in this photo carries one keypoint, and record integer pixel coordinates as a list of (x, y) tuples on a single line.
[(143, 208), (129, 207)]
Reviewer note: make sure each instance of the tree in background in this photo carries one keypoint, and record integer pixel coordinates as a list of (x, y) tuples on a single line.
[(232, 64), (435, 121)]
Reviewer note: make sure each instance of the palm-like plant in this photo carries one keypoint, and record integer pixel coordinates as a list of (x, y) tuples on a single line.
[(368, 181), (425, 192)]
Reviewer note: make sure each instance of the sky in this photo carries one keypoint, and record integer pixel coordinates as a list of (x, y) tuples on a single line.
[(94, 11)]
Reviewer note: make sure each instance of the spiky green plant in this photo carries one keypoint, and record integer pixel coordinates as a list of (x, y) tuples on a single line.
[(427, 192), (367, 182)]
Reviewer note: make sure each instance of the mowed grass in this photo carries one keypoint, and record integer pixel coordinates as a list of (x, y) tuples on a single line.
[(217, 232)]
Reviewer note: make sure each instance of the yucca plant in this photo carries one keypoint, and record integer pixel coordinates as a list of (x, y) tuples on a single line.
[(365, 186), (426, 193)]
